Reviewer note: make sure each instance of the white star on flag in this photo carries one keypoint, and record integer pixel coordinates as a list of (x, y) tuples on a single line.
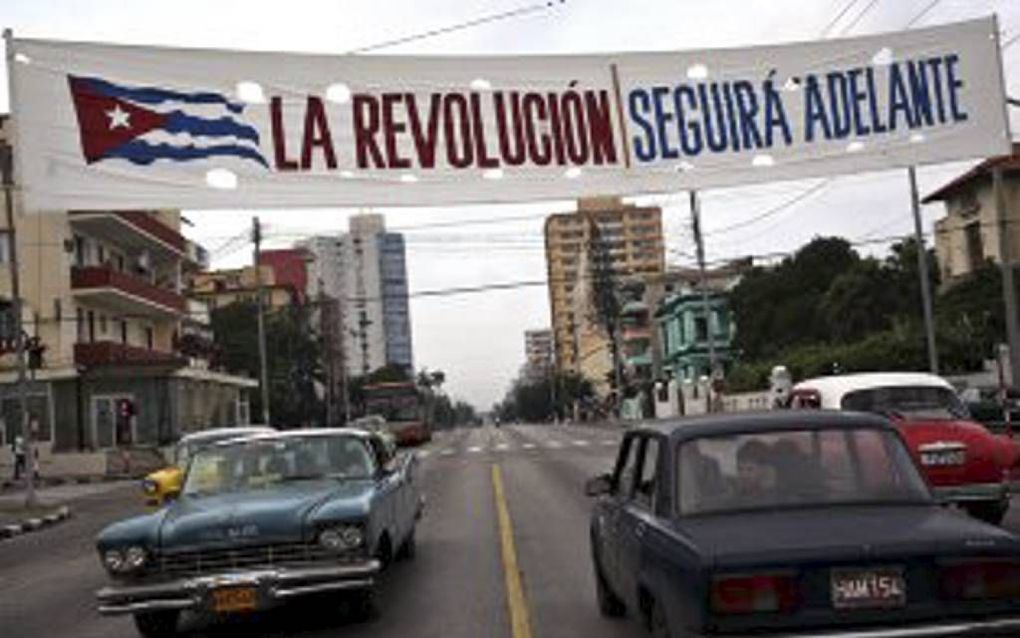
[(118, 117)]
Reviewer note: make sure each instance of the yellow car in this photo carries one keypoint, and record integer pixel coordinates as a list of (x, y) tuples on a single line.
[(167, 481)]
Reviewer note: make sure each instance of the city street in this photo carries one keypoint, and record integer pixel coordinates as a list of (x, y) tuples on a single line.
[(455, 586)]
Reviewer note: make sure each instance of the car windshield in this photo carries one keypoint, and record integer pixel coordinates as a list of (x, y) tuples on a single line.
[(255, 464), (796, 468), (919, 402)]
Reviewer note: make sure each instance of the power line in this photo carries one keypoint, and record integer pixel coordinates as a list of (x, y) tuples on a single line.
[(772, 211), (860, 16), (931, 5), (839, 16), (460, 26)]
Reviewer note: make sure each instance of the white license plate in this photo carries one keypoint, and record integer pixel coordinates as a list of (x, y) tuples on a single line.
[(949, 457), (880, 588)]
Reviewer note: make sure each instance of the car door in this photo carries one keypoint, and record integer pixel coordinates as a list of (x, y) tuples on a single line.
[(637, 515), (623, 482), (387, 491)]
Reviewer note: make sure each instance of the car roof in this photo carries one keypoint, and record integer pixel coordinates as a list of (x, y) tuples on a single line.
[(762, 422), (838, 385), (284, 435), (216, 433)]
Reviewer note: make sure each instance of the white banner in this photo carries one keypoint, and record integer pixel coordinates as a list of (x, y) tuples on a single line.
[(111, 127)]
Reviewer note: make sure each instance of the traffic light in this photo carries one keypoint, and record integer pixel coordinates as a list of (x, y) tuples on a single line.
[(125, 408)]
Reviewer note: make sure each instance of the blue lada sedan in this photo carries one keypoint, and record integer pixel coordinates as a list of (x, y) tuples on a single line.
[(804, 524), (263, 520)]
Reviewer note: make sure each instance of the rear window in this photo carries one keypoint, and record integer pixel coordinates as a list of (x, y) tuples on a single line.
[(919, 402), (796, 468)]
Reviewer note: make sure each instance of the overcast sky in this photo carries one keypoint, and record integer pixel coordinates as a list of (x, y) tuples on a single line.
[(478, 339)]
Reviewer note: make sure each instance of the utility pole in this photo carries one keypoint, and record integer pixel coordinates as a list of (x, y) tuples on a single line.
[(922, 270), (325, 333), (7, 160), (256, 237), (1008, 286), (703, 280)]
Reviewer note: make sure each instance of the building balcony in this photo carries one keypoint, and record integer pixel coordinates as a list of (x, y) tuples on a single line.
[(124, 293), (109, 353), (134, 230)]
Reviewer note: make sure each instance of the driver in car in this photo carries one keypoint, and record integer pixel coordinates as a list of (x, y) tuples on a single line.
[(756, 473)]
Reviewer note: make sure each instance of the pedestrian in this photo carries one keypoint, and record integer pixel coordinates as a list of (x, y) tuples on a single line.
[(18, 447)]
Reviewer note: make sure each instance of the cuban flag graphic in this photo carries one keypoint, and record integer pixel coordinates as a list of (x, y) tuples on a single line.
[(146, 124)]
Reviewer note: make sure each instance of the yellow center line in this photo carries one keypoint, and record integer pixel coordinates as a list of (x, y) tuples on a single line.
[(520, 625)]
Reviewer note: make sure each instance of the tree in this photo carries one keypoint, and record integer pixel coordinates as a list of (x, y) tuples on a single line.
[(293, 356), (776, 308), (531, 400)]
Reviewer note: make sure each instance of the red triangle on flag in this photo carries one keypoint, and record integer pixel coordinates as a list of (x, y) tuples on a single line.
[(107, 122)]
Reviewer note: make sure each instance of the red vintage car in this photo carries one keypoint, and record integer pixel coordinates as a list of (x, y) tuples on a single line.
[(964, 463)]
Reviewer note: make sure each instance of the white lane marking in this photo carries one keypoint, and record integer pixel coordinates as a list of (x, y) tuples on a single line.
[(474, 448), (580, 443), (554, 444), (502, 446), (424, 453), (528, 446), (447, 452), (609, 443)]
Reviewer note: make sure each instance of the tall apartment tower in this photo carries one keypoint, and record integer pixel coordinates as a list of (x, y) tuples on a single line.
[(632, 236), (377, 317)]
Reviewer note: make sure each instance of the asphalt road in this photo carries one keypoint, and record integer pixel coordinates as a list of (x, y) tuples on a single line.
[(455, 587)]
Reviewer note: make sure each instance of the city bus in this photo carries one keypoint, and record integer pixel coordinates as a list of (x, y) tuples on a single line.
[(405, 409)]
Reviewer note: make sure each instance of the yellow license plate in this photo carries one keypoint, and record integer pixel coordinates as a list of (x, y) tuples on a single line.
[(234, 599)]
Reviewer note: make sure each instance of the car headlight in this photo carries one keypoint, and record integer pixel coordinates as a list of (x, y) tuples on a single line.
[(342, 538), (149, 486), (122, 561), (134, 558), (113, 560)]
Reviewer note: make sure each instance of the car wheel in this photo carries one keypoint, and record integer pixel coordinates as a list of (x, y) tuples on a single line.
[(365, 605), (609, 604), (409, 549), (988, 512), (658, 626), (157, 624)]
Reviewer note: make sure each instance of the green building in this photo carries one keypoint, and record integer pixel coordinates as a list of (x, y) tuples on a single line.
[(684, 334)]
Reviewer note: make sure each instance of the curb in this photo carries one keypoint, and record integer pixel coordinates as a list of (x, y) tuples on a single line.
[(35, 524)]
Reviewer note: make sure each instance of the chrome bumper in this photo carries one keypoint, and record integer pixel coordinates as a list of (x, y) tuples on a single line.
[(973, 492), (1001, 627), (272, 585)]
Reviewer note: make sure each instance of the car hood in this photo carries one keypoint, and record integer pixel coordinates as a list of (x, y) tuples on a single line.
[(271, 515), (850, 533)]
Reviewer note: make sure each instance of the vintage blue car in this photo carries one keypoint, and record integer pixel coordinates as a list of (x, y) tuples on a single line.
[(799, 524), (263, 520)]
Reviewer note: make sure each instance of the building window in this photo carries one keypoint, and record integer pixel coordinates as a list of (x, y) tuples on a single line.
[(123, 332), (101, 252), (975, 245), (700, 329), (91, 318), (58, 314), (80, 250), (80, 320), (5, 247), (103, 327), (148, 337)]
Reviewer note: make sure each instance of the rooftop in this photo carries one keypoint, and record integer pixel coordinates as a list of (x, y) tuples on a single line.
[(1008, 163)]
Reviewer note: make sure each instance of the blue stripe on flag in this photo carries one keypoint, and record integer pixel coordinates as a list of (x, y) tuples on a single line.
[(153, 95), (180, 122), (141, 152)]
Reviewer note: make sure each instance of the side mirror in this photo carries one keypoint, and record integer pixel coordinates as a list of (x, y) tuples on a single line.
[(599, 486)]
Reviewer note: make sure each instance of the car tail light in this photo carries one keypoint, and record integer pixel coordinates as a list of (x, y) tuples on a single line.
[(755, 593), (981, 579)]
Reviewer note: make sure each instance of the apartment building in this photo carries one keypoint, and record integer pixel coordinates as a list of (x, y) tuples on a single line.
[(126, 353), (220, 288), (538, 354), (631, 237), (971, 231)]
